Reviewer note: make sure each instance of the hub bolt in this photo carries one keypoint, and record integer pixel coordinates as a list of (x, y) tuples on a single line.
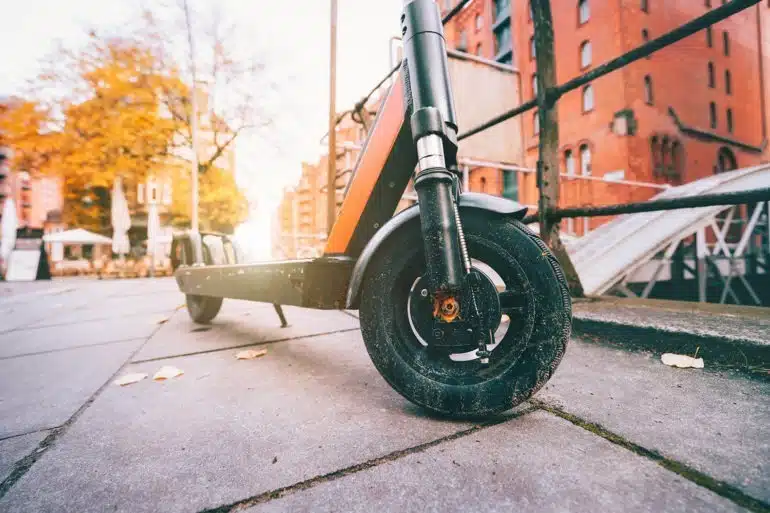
[(424, 292)]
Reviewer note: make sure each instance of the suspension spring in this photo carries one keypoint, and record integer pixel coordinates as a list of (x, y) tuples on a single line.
[(463, 245)]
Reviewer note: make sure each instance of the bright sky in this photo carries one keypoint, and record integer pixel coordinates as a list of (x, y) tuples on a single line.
[(294, 37)]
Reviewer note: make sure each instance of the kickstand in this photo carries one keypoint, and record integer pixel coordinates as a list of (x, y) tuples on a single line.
[(279, 311)]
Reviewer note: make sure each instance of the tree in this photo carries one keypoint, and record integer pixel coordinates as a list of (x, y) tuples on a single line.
[(122, 114)]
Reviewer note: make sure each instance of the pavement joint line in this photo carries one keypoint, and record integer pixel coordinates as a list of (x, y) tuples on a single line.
[(63, 349), (239, 346), (697, 477), (22, 466), (32, 326), (354, 469), (17, 435)]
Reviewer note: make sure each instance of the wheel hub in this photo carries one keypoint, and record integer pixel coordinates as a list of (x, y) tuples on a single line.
[(451, 322)]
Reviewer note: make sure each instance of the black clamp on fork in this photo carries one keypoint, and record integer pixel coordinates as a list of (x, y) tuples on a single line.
[(434, 131)]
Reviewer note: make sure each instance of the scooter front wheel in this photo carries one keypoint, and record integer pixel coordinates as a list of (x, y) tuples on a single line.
[(528, 345)]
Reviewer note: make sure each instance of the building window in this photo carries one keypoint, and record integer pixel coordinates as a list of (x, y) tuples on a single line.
[(645, 6), (585, 54), (645, 36), (569, 162), (511, 185), (534, 85), (709, 37), (478, 49), (677, 158), (463, 44), (479, 22), (648, 97), (713, 114), (532, 47), (501, 8), (730, 120), (728, 82), (708, 3), (657, 157), (712, 80), (726, 42), (535, 124), (588, 98), (483, 183), (530, 10), (584, 11), (585, 160)]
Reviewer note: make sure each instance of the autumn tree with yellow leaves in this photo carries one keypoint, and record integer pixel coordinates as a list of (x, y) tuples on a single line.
[(126, 112)]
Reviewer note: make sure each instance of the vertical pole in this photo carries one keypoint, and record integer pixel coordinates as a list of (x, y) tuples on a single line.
[(193, 124), (331, 191), (548, 161)]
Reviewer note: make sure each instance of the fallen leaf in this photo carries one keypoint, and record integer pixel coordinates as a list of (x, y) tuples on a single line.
[(167, 372), (250, 354), (163, 321), (128, 379), (682, 361)]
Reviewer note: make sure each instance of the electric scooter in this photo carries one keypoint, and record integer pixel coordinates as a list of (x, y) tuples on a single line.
[(463, 310)]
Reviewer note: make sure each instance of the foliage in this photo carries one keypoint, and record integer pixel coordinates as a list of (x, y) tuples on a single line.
[(126, 112)]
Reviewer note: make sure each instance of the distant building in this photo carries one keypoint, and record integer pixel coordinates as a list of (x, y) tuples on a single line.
[(693, 109)]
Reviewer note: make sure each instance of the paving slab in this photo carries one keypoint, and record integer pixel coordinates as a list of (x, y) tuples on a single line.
[(715, 422), (98, 308), (535, 463), (16, 448), (44, 391), (225, 430), (55, 338), (241, 323)]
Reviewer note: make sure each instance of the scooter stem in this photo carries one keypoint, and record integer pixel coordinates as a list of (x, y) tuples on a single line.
[(434, 131)]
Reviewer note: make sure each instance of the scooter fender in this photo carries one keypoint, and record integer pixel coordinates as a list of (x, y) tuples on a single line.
[(468, 200)]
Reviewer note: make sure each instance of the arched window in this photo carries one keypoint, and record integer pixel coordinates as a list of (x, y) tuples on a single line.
[(677, 158), (726, 42), (728, 82), (712, 80), (709, 37), (713, 114), (665, 154), (588, 98), (534, 85), (585, 160), (708, 3), (584, 11), (479, 22), (532, 47), (645, 6), (585, 54), (655, 151), (648, 97), (726, 160), (730, 120), (483, 183), (478, 49), (569, 162), (535, 124), (530, 10), (645, 35)]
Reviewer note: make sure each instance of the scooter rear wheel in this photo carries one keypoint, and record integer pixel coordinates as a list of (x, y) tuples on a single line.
[(527, 347), (203, 309)]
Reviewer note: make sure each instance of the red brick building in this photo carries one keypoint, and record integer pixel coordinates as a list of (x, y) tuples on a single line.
[(690, 110)]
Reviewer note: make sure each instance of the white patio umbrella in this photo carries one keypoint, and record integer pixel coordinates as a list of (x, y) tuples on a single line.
[(10, 224), (121, 219)]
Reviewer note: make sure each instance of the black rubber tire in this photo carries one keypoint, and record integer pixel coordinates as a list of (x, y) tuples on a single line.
[(203, 309), (485, 392)]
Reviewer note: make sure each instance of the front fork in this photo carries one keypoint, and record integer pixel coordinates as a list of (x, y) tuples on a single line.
[(434, 130)]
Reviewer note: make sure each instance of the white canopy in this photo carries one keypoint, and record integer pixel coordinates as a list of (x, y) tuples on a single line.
[(77, 236)]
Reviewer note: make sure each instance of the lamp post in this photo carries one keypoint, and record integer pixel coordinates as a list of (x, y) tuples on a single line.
[(331, 192), (193, 123)]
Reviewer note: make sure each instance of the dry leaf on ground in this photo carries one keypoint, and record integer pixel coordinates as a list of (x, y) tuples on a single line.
[(128, 379), (682, 361), (250, 354), (167, 372)]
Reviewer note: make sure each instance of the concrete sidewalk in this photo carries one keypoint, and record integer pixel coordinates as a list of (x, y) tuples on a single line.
[(311, 426)]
